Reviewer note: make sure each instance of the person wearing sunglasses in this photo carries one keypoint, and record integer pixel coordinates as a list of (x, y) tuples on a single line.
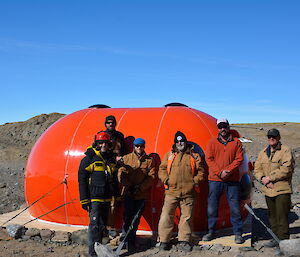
[(116, 137), (224, 155), (136, 176), (181, 171), (274, 168)]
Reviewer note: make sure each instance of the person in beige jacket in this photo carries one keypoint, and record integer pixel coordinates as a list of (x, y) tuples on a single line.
[(181, 171), (136, 176), (274, 169)]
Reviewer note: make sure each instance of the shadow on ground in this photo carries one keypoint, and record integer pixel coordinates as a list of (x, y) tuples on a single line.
[(259, 232)]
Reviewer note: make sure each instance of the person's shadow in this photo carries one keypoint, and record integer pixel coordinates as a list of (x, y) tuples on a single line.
[(259, 232)]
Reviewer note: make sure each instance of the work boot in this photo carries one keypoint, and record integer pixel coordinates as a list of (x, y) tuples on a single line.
[(271, 244), (238, 239), (164, 246), (278, 252), (185, 246), (131, 247), (208, 237)]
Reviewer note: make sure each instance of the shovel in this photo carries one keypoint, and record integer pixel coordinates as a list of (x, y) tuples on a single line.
[(257, 218), (129, 229), (106, 251)]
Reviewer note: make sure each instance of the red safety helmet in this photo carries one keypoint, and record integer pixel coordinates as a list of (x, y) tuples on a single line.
[(102, 136)]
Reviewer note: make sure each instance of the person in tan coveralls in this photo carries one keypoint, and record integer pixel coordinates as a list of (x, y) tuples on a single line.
[(274, 169), (136, 176), (181, 171)]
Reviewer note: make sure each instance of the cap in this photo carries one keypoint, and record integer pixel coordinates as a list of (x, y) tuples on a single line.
[(273, 132), (139, 141), (222, 120), (110, 118), (179, 136)]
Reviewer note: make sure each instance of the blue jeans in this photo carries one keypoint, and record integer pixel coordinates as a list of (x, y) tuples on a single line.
[(232, 190), (131, 207)]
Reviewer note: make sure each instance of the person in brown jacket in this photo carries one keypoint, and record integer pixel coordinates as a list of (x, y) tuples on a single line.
[(181, 171), (274, 169), (136, 176), (224, 155)]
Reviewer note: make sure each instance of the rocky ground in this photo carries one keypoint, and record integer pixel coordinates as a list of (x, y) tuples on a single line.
[(16, 140)]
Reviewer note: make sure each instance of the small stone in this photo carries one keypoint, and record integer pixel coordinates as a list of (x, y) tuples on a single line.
[(115, 241), (25, 238), (205, 247), (2, 185), (37, 238), (217, 248), (4, 236), (49, 250), (46, 234), (61, 237), (32, 232), (226, 248), (105, 240), (80, 237), (18, 252), (197, 248)]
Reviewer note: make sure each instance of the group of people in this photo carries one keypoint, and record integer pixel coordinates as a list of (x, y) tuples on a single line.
[(106, 177)]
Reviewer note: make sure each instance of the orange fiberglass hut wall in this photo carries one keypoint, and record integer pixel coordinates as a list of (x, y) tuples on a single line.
[(51, 172)]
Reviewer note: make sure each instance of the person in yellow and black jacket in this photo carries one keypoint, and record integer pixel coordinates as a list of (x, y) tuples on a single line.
[(98, 185)]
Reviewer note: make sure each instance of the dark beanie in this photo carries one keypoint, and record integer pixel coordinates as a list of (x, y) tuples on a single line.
[(179, 136), (110, 118)]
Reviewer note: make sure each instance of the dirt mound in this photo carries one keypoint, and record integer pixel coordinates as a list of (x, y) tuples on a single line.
[(16, 141)]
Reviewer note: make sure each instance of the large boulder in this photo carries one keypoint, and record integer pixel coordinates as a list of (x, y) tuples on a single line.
[(15, 230), (290, 247), (46, 234)]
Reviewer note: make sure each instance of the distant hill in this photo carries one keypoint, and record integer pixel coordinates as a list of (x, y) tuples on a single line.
[(17, 138)]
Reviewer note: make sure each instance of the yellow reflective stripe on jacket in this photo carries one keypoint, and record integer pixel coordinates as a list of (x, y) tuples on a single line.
[(101, 200), (85, 201)]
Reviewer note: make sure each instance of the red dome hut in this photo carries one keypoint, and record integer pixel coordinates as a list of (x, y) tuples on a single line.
[(54, 160)]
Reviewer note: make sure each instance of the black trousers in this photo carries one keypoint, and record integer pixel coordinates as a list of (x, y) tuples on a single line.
[(278, 211), (98, 219), (131, 207)]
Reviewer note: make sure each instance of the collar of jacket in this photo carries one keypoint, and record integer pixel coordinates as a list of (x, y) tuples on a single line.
[(268, 149), (140, 157), (230, 138), (110, 131), (91, 151)]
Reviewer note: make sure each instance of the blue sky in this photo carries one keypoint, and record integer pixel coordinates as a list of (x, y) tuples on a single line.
[(238, 59)]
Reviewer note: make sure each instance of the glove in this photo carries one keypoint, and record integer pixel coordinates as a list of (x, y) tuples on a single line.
[(86, 206)]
